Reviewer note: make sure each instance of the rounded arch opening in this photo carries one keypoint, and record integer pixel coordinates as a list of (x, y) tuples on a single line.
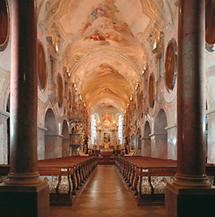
[(50, 134), (161, 135), (147, 140), (65, 141)]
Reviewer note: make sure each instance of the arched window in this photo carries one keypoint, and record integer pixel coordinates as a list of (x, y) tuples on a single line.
[(120, 128), (93, 129)]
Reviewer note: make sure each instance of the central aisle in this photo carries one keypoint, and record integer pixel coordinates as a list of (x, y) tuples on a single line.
[(106, 196)]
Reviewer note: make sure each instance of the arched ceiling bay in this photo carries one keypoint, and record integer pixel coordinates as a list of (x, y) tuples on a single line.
[(99, 42), (105, 82)]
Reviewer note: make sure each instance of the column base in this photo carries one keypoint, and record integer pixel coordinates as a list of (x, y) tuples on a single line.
[(190, 202), (28, 201)]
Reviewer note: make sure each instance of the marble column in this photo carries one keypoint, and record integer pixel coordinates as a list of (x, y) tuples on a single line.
[(23, 94), (190, 194), (23, 194), (190, 95)]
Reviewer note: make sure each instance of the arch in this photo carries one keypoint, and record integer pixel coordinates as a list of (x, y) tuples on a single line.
[(146, 151), (107, 101), (50, 134), (65, 140), (127, 68), (123, 70), (160, 133)]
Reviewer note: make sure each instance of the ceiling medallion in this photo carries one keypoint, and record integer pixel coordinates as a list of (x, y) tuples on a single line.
[(4, 24), (171, 65)]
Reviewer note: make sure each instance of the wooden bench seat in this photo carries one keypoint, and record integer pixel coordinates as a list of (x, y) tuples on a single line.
[(147, 177), (65, 176)]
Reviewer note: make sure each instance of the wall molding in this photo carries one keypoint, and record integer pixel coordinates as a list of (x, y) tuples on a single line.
[(171, 127)]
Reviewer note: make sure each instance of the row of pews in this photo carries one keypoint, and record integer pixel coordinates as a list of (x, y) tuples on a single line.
[(65, 176), (147, 177)]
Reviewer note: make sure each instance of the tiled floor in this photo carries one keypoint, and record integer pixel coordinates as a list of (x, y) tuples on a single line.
[(106, 196)]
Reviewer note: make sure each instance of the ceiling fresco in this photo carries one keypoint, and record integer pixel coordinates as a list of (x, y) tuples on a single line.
[(102, 43)]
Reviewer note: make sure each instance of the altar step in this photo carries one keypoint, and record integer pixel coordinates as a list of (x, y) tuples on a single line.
[(103, 160)]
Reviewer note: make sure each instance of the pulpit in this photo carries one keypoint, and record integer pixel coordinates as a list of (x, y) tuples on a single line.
[(75, 143)]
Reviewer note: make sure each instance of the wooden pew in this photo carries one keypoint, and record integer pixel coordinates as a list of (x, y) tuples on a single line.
[(66, 176), (142, 173)]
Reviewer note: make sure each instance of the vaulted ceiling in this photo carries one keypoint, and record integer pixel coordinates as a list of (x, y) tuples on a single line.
[(102, 44)]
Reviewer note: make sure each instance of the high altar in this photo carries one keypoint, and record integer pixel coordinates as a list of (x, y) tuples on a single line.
[(106, 132)]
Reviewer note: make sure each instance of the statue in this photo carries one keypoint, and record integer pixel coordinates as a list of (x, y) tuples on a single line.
[(126, 145), (85, 145)]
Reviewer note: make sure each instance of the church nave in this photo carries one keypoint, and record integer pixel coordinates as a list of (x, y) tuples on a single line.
[(105, 195), (107, 105)]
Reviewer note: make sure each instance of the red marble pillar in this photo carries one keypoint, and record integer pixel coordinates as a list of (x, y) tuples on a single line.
[(23, 194), (190, 95), (23, 93), (190, 194)]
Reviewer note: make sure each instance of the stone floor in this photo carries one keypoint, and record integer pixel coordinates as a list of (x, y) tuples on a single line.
[(105, 195)]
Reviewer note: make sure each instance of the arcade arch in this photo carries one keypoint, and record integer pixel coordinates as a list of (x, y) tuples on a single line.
[(146, 150), (160, 134), (50, 134)]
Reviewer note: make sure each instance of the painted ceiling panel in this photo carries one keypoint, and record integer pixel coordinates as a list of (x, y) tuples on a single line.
[(99, 42)]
